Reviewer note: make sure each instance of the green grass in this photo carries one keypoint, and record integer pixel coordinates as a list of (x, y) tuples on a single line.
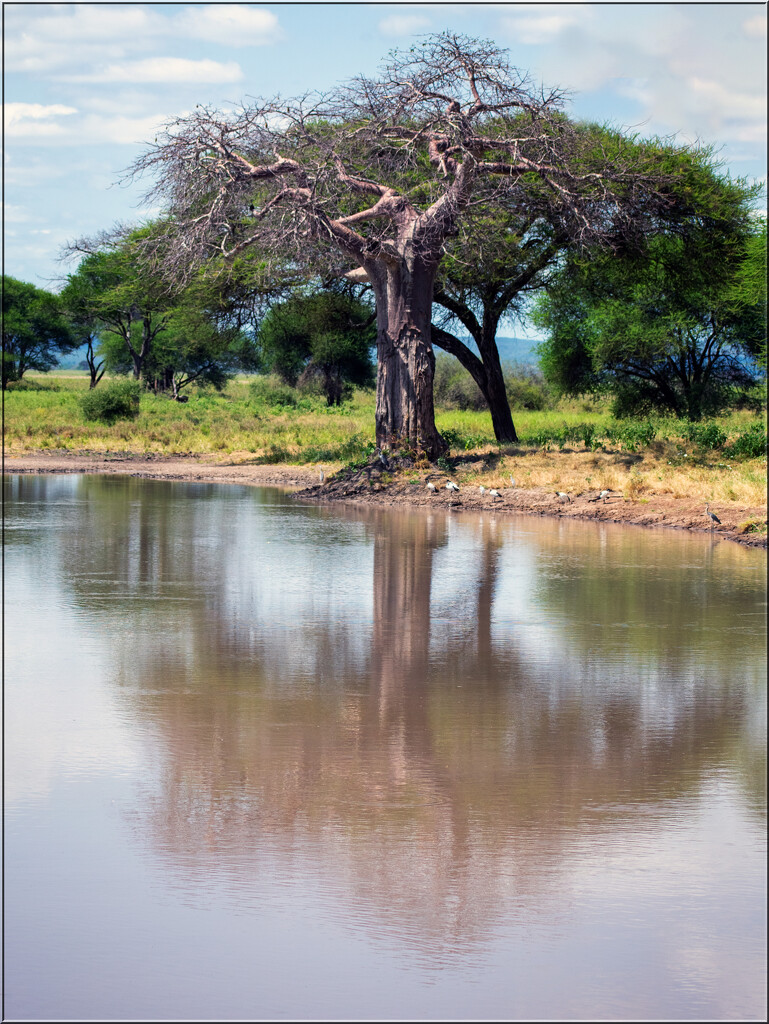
[(263, 423)]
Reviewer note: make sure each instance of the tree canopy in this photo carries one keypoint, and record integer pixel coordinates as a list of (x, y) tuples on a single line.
[(680, 326), (35, 329), (322, 335), (329, 177), (168, 337)]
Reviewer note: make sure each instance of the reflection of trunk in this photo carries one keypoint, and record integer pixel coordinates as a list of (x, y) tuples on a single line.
[(405, 360), (403, 555), (487, 586)]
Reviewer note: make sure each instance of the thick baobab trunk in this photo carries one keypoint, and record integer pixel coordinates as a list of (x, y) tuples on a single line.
[(405, 359)]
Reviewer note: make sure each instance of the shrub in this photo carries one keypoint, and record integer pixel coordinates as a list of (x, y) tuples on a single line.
[(116, 401), (272, 392), (750, 443), (453, 387), (30, 385), (706, 435), (526, 388)]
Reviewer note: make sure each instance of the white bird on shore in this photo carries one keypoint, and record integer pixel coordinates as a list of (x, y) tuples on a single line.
[(495, 493), (602, 496), (322, 477), (482, 489), (563, 495), (451, 486), (512, 482), (431, 486)]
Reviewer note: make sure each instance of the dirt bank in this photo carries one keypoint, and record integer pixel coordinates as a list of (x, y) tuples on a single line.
[(404, 486), (162, 467)]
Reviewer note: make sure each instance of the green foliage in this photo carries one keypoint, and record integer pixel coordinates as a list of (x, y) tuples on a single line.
[(271, 392), (677, 325), (115, 401), (454, 388), (526, 388), (750, 444), (321, 337), (29, 384), (35, 330), (706, 435), (168, 336), (631, 435)]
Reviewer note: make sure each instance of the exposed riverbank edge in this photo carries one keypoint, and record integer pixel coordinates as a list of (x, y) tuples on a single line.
[(653, 510)]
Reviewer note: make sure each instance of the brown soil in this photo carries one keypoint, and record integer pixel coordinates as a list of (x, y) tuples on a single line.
[(405, 485)]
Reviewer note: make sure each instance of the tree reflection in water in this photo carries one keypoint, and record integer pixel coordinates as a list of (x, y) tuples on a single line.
[(426, 714)]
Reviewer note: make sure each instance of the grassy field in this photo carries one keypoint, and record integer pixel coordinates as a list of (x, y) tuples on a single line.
[(575, 446)]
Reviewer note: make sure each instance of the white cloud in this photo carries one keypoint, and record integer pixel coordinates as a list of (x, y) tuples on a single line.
[(728, 102), (35, 118), (403, 24), (695, 69), (541, 28), (14, 214), (230, 24), (122, 130), (53, 39), (755, 26), (163, 69)]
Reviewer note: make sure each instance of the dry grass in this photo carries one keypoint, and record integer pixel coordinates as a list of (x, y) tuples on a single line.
[(633, 475)]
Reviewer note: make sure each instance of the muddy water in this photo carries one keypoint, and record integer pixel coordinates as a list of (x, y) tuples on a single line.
[(265, 761)]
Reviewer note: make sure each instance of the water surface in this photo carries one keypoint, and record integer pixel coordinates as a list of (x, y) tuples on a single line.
[(266, 760)]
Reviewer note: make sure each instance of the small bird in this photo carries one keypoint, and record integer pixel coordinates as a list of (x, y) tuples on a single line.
[(512, 482), (712, 516), (431, 486), (563, 496), (495, 493), (382, 458), (322, 477), (482, 489), (451, 486)]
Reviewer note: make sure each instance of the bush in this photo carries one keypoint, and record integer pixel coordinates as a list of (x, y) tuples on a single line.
[(30, 385), (526, 388), (116, 401), (454, 388), (272, 392), (751, 443), (706, 435)]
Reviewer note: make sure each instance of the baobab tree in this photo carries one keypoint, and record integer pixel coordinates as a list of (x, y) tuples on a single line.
[(375, 176)]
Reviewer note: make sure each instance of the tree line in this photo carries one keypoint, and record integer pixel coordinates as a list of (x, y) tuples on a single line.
[(413, 210)]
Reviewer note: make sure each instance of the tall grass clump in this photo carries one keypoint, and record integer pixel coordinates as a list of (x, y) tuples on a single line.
[(118, 400)]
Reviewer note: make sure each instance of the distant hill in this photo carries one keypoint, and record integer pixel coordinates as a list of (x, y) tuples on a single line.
[(512, 350)]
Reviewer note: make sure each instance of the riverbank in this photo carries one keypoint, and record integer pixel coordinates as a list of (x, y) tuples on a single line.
[(407, 487)]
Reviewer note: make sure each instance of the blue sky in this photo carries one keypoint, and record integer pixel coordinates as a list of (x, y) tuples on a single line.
[(86, 84)]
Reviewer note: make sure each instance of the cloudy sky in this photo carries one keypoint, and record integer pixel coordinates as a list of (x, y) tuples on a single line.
[(86, 85)]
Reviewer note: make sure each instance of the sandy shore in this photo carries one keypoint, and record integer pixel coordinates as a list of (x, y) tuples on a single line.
[(650, 511)]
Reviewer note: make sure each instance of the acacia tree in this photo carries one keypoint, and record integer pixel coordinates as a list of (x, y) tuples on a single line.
[(327, 173), (323, 335), (680, 326), (123, 299), (35, 329), (501, 259)]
